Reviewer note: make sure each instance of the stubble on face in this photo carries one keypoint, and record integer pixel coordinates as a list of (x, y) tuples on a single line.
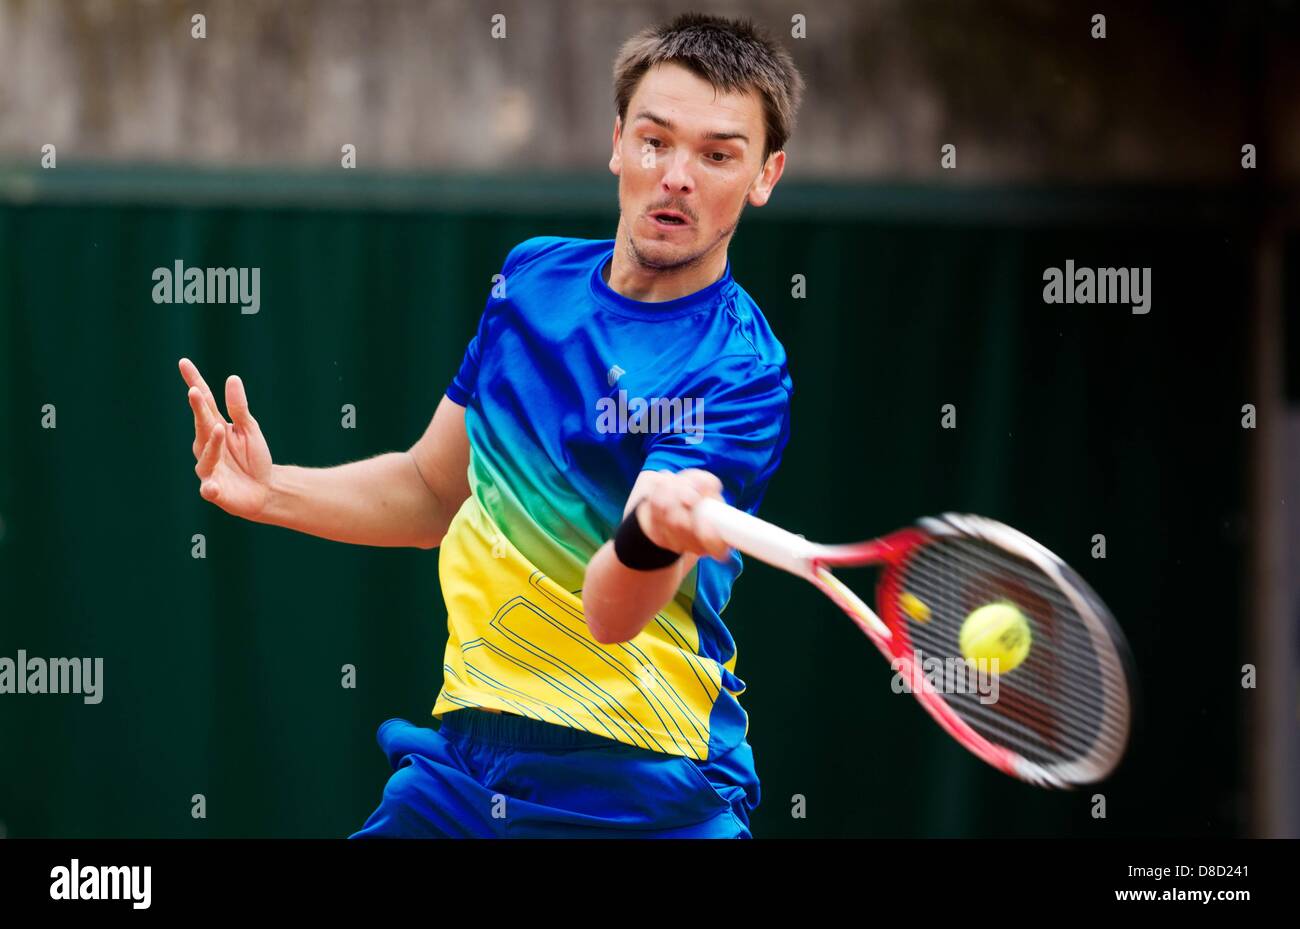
[(641, 260)]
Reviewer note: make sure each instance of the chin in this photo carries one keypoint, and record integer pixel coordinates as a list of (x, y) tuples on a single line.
[(656, 251)]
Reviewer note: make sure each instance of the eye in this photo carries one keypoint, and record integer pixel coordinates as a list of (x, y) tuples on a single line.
[(650, 140), (725, 157)]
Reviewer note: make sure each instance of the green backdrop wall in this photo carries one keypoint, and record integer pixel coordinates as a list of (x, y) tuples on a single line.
[(222, 675)]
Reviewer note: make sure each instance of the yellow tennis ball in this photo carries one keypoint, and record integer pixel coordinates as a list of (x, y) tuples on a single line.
[(914, 607), (996, 631)]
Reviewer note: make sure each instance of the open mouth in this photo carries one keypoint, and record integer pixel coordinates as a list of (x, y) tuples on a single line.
[(669, 219)]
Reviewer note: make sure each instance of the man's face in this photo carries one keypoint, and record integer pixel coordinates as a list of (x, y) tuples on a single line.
[(690, 150)]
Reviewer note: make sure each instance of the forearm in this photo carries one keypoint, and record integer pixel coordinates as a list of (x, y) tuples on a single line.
[(618, 602), (379, 501)]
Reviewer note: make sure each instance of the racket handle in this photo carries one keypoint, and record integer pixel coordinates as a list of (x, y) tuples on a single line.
[(761, 539)]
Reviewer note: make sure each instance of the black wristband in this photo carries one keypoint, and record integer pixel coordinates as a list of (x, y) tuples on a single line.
[(634, 548)]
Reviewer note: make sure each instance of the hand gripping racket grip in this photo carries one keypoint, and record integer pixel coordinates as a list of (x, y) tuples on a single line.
[(758, 538)]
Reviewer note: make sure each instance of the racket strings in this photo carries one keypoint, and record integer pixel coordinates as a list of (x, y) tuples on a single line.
[(1066, 701), (1079, 646), (1076, 645)]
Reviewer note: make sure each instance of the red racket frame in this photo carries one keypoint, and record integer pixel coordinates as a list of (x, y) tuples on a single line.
[(892, 552)]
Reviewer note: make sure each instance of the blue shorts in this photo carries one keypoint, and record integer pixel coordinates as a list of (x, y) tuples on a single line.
[(489, 775)]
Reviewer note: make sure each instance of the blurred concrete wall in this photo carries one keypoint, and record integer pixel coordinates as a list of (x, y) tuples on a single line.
[(1020, 86)]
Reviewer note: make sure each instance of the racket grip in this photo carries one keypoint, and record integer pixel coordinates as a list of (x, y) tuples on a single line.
[(761, 539)]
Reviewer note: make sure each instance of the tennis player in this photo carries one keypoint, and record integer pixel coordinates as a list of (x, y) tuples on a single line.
[(589, 683)]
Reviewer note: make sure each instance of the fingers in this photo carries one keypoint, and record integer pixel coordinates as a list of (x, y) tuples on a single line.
[(211, 453), (709, 538), (209, 491), (192, 377), (237, 404), (204, 421), (706, 484), (671, 520)]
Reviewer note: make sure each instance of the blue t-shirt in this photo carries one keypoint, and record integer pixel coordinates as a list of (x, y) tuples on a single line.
[(571, 390)]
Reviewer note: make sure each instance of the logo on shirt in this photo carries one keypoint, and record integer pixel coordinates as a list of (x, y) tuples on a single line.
[(624, 414)]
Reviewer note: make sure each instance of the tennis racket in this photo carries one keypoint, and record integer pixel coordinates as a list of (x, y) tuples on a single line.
[(1062, 715)]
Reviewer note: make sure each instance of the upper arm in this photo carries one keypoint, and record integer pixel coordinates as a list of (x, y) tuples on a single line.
[(442, 457)]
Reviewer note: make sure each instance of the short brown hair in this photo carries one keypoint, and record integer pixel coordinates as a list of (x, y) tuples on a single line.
[(733, 55)]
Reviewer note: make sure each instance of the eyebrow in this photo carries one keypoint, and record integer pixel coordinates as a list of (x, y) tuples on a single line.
[(714, 136)]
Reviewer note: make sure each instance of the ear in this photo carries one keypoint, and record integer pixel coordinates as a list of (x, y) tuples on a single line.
[(761, 189), (616, 159)]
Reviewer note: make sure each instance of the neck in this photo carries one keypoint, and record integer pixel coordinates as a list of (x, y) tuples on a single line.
[(631, 279)]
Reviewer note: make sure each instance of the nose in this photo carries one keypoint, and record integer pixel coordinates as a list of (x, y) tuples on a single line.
[(677, 179)]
